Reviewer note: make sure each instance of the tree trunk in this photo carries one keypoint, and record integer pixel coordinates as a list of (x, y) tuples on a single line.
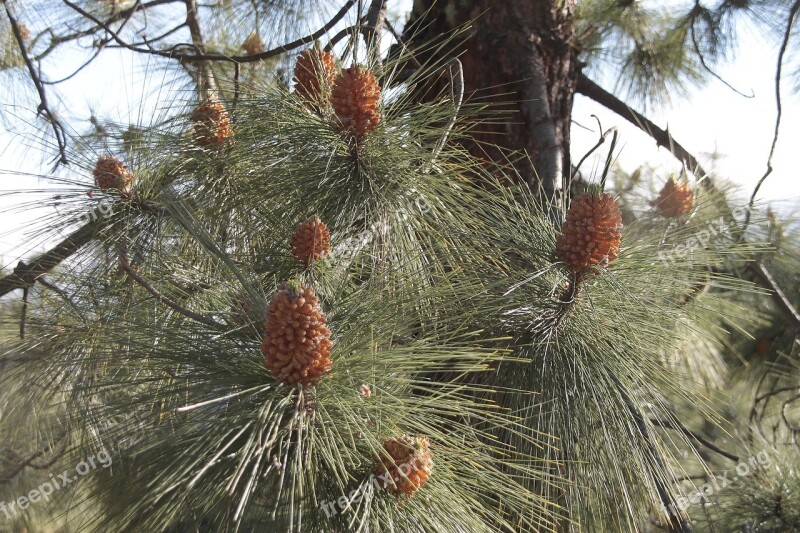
[(518, 58)]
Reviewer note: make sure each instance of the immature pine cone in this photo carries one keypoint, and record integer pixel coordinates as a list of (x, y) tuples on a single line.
[(405, 465), (591, 232), (675, 199), (313, 74), (297, 341), (24, 32), (109, 173), (311, 241), (253, 44), (212, 126), (355, 98)]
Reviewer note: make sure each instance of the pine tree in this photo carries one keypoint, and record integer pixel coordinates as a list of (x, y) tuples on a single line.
[(332, 289)]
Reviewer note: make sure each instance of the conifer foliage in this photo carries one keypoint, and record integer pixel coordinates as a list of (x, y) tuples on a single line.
[(309, 305)]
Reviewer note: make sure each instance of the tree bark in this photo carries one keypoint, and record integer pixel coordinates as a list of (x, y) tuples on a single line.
[(518, 58)]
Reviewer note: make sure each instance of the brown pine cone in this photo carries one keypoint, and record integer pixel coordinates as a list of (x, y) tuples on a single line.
[(212, 126), (591, 233), (253, 44), (313, 74), (109, 173), (405, 465), (311, 241), (355, 100), (675, 199), (297, 341), (24, 32)]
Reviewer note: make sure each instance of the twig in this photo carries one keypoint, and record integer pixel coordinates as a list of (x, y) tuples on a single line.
[(126, 266), (599, 143), (778, 104), (44, 108), (174, 54), (678, 426), (29, 461), (344, 32), (56, 41), (710, 70), (662, 137), (773, 392)]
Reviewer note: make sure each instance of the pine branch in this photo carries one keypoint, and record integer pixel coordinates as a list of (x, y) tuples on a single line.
[(662, 137), (44, 107), (26, 274)]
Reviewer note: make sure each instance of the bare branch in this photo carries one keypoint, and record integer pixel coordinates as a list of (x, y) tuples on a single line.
[(678, 426), (662, 137), (44, 108), (787, 34), (173, 53)]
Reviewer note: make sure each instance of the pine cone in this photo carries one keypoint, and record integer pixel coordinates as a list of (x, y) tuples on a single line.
[(311, 241), (591, 232), (405, 465), (212, 126), (355, 98), (253, 44), (24, 32), (297, 341), (313, 74), (675, 199), (109, 173)]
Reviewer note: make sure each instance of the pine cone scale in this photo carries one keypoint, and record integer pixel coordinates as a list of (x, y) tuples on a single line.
[(591, 233)]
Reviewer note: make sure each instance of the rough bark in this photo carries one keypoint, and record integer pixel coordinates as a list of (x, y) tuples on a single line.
[(517, 57)]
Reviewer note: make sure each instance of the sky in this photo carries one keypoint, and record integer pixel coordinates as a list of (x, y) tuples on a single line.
[(712, 119), (717, 119)]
